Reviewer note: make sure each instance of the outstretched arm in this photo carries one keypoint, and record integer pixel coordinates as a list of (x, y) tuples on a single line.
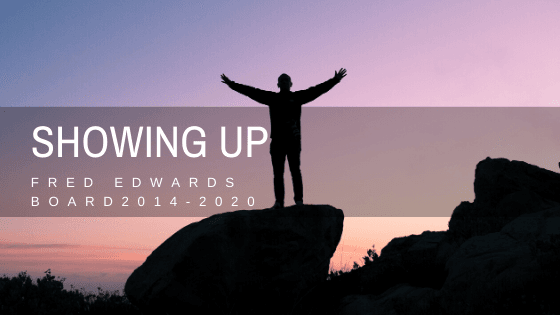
[(312, 93), (263, 97)]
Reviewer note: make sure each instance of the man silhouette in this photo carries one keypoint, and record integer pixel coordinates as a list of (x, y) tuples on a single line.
[(285, 118)]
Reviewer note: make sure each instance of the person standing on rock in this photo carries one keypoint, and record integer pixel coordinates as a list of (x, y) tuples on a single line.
[(285, 119)]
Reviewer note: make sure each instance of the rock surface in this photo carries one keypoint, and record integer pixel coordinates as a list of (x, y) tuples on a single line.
[(500, 263), (499, 250), (400, 299), (411, 259), (497, 178), (242, 262), (504, 190)]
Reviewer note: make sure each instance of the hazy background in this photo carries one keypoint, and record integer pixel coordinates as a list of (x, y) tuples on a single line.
[(398, 54)]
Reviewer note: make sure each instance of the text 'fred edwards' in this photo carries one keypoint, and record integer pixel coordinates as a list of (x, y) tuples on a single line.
[(135, 182)]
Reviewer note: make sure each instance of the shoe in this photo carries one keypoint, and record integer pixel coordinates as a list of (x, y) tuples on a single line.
[(299, 203), (277, 205)]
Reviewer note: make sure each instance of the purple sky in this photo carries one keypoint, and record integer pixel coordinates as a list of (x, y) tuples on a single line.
[(397, 53)]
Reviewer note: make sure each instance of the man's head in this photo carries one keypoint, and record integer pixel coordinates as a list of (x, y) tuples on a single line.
[(284, 82)]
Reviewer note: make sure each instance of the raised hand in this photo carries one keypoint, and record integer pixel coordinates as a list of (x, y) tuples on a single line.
[(225, 79), (340, 74)]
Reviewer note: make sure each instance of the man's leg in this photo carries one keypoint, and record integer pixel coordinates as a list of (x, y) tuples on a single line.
[(294, 162), (278, 157)]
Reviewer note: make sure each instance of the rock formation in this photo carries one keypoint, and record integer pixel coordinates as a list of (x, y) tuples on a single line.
[(504, 190), (242, 262), (500, 254)]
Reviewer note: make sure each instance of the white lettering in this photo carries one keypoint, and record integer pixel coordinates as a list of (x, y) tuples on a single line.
[(73, 141), (40, 140), (86, 142), (250, 142), (239, 145), (202, 144)]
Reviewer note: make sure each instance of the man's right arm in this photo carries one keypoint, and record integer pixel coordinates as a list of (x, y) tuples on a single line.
[(258, 95)]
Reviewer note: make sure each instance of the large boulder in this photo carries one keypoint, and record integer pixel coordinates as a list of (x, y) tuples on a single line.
[(503, 190), (496, 178), (238, 262)]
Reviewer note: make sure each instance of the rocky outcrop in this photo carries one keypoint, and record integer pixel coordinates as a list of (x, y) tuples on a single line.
[(504, 190), (495, 179), (412, 259), (500, 254), (502, 263), (242, 262), (498, 273)]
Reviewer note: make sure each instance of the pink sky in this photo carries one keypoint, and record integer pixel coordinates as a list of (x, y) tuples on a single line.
[(83, 249), (398, 54)]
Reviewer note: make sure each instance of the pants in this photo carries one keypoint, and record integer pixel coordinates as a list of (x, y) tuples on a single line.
[(279, 150)]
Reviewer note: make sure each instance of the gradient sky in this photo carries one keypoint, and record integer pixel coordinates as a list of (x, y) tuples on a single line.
[(398, 54)]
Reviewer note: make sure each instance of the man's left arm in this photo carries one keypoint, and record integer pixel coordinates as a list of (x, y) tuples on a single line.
[(306, 96)]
